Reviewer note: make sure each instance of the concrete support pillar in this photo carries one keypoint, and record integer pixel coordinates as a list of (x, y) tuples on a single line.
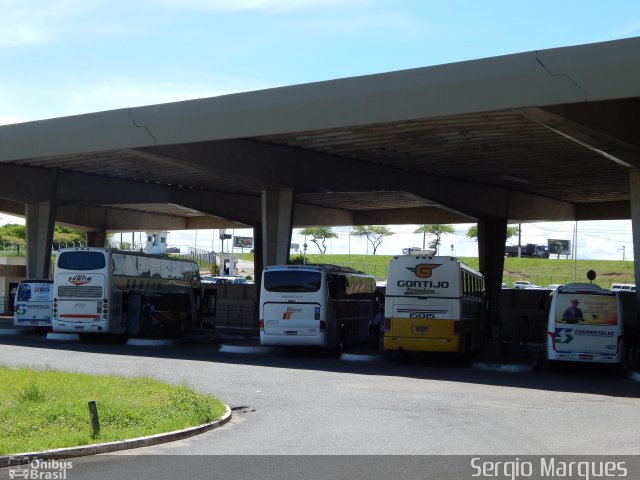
[(258, 262), (633, 338), (97, 238), (277, 220), (492, 236), (40, 220)]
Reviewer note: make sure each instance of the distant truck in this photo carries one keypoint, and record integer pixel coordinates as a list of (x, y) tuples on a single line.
[(530, 250)]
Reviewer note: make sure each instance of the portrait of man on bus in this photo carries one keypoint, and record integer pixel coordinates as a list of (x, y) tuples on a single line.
[(573, 314)]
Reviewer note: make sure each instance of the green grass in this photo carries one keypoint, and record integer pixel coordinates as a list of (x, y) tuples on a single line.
[(537, 270), (45, 409)]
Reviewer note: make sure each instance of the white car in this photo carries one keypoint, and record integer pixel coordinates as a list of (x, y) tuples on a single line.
[(523, 284)]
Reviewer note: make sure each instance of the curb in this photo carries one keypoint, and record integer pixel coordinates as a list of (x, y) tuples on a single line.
[(225, 347), (148, 342), (356, 357), (114, 446), (158, 342), (12, 331), (504, 367), (65, 337)]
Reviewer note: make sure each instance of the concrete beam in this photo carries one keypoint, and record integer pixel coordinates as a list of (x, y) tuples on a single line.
[(603, 211), (25, 184), (409, 216), (250, 162), (113, 219), (608, 147), (526, 207), (305, 215)]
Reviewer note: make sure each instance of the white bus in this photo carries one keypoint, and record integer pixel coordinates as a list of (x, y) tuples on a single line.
[(33, 303), (315, 305), (434, 304), (584, 324), (102, 290)]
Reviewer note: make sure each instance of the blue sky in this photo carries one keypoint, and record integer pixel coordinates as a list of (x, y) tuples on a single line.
[(66, 57)]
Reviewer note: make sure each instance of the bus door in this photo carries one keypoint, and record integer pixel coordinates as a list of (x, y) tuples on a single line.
[(134, 313), (291, 319)]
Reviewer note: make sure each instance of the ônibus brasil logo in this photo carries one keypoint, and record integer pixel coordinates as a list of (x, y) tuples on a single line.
[(423, 270), (78, 280)]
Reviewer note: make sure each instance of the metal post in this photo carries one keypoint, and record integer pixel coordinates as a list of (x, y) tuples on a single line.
[(93, 413)]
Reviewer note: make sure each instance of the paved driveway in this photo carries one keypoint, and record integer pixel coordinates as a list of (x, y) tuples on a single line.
[(312, 404)]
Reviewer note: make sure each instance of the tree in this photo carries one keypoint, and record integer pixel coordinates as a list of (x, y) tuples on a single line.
[(116, 242), (68, 236), (437, 231), (16, 235), (319, 236), (473, 232), (556, 247), (373, 233), (12, 233)]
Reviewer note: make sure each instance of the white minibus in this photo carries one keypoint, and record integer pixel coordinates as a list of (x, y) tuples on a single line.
[(33, 304), (584, 324)]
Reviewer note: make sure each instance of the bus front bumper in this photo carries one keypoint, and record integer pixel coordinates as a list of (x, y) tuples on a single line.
[(422, 344)]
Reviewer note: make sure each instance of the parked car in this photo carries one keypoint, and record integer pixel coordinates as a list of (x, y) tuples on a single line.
[(623, 287), (523, 284), (553, 286), (228, 279)]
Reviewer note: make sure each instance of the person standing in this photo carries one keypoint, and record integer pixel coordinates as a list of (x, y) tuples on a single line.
[(377, 324)]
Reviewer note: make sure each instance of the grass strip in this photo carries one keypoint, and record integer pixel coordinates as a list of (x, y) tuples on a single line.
[(47, 409)]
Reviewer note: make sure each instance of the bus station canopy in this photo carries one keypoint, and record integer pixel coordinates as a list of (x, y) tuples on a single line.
[(542, 135)]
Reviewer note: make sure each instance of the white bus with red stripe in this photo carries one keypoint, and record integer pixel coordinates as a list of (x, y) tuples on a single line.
[(315, 305), (102, 290)]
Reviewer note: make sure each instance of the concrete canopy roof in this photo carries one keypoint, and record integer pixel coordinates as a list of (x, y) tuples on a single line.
[(544, 135)]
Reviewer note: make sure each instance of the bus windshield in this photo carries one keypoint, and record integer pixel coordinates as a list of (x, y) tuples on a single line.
[(82, 260), (292, 281)]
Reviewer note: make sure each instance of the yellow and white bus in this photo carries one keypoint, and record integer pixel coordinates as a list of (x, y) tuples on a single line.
[(585, 324), (315, 305), (434, 304)]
